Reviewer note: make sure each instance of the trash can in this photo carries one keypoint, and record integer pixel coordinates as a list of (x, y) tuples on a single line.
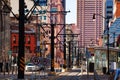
[(91, 67), (104, 70), (6, 66)]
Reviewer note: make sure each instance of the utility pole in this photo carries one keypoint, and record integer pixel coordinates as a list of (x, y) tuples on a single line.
[(78, 57), (38, 37), (65, 36), (21, 60), (69, 62), (52, 47)]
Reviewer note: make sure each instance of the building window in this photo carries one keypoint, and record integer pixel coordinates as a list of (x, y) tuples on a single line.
[(49, 32), (109, 11), (40, 17), (28, 40), (53, 10), (44, 17), (41, 2), (109, 6), (34, 12), (27, 49), (14, 39), (15, 49)]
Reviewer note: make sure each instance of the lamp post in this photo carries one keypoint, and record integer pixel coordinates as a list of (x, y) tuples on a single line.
[(78, 56), (114, 39), (107, 38)]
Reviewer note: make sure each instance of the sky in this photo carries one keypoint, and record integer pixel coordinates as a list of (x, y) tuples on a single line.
[(72, 6)]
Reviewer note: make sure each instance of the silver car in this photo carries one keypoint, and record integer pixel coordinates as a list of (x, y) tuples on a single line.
[(31, 67)]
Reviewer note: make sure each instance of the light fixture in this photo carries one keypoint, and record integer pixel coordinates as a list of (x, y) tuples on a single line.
[(93, 17)]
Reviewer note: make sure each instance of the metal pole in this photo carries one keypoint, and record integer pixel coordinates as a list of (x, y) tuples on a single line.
[(78, 57), (38, 36), (4, 50), (21, 61), (74, 57), (114, 39), (64, 52), (75, 51), (108, 46), (52, 47), (65, 36), (69, 54)]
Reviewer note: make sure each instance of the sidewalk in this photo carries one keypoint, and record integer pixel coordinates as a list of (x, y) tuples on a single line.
[(90, 76), (29, 76)]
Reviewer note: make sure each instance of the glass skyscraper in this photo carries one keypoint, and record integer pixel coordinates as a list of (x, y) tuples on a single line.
[(108, 11)]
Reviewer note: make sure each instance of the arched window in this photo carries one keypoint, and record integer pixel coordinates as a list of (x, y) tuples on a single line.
[(28, 40), (14, 39)]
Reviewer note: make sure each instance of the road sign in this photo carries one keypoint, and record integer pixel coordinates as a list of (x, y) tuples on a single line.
[(45, 61), (35, 60)]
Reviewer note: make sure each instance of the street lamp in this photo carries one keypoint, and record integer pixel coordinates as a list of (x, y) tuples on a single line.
[(107, 38), (114, 39)]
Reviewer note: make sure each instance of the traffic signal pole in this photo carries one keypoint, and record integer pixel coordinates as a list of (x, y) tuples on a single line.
[(21, 60), (52, 47)]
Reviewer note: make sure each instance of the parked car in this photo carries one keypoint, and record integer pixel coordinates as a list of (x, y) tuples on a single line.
[(31, 67)]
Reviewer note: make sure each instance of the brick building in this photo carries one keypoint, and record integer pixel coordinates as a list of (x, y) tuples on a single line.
[(30, 41)]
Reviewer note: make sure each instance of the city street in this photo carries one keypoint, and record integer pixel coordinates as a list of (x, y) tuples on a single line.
[(73, 74), (59, 39)]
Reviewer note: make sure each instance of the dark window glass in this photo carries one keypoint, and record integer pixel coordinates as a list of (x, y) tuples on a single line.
[(41, 2), (28, 40), (14, 39), (15, 49)]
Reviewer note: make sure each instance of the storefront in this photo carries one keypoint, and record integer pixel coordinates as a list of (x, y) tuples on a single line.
[(101, 60)]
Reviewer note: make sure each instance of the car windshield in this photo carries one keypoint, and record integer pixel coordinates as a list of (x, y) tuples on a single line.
[(30, 64)]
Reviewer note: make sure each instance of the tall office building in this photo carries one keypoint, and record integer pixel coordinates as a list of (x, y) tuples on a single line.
[(90, 31), (108, 11)]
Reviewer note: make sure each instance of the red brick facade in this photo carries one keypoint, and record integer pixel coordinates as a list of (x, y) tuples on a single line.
[(30, 41)]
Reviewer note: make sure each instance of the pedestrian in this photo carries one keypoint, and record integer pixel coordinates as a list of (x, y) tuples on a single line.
[(1, 66), (118, 78), (112, 75)]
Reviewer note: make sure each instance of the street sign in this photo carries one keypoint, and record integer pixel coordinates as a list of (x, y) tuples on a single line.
[(35, 60), (45, 61)]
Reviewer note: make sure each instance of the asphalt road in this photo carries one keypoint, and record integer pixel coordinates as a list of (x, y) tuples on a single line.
[(73, 74)]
